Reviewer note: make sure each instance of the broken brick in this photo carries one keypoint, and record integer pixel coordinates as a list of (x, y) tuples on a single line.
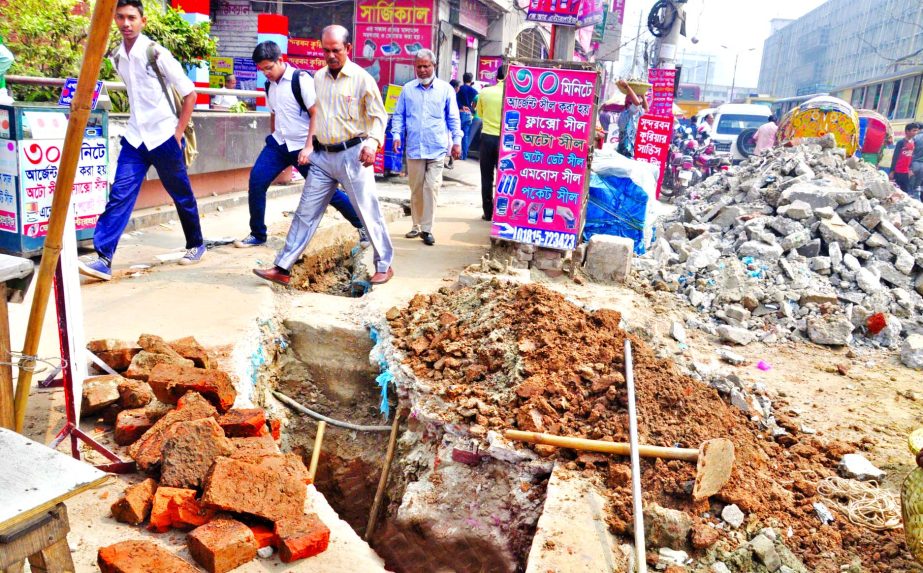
[(147, 451), (179, 508), (243, 422), (189, 449), (253, 447), (135, 504), (288, 464), (301, 537), (134, 393), (190, 349), (222, 545), (275, 428), (144, 361), (132, 424), (169, 382), (140, 557), (108, 344), (119, 359), (264, 535), (99, 392), (241, 487)]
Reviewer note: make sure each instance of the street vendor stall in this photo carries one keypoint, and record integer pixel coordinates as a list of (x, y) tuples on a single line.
[(816, 118)]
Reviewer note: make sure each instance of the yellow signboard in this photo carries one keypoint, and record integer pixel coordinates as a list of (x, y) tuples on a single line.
[(392, 92), (218, 69)]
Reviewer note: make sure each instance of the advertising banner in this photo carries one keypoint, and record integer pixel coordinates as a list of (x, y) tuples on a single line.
[(544, 144), (39, 161), (306, 54), (591, 13), (487, 69), (393, 28), (561, 12), (663, 82), (652, 142)]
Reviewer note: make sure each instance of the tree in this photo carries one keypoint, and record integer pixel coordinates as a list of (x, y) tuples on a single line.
[(48, 37)]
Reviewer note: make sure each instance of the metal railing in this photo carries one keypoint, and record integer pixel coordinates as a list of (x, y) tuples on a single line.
[(119, 86)]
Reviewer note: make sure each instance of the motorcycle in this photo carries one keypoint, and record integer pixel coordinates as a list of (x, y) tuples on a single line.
[(681, 172), (708, 162)]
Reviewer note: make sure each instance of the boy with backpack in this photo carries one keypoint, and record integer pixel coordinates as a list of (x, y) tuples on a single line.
[(290, 97), (154, 136)]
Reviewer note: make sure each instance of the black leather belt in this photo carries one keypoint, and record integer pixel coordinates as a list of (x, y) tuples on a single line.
[(337, 147)]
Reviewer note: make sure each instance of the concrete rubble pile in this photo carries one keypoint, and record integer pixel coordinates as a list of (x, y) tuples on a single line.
[(801, 242), (214, 470)]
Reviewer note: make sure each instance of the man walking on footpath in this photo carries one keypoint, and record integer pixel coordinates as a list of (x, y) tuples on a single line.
[(902, 158), (489, 105), (154, 136), (349, 129), (428, 110), (289, 144), (466, 98), (766, 136)]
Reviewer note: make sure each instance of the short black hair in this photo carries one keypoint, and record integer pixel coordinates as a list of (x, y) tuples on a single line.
[(501, 73), (455, 83), (267, 50), (468, 77), (912, 125), (135, 3), (772, 119)]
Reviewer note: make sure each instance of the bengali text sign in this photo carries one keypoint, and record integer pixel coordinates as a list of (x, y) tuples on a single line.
[(663, 82), (652, 142), (306, 54), (393, 28), (544, 144), (487, 69)]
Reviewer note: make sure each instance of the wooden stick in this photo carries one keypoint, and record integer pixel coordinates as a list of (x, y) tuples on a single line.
[(620, 448), (97, 41), (315, 454), (7, 413), (383, 480), (636, 501)]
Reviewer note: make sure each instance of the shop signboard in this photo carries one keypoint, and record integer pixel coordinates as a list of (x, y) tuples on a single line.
[(487, 69), (591, 13), (245, 72), (473, 15), (392, 94), (393, 28), (548, 122), (39, 160), (306, 54), (663, 82), (560, 12), (652, 142), (218, 69)]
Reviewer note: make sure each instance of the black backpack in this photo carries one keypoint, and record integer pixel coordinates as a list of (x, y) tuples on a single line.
[(296, 87)]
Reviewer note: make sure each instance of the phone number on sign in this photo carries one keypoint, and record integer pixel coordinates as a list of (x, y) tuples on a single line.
[(550, 239)]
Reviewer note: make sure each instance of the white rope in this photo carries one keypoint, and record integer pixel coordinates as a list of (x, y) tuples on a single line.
[(864, 504)]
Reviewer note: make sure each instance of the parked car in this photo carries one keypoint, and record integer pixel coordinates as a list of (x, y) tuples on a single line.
[(733, 118)]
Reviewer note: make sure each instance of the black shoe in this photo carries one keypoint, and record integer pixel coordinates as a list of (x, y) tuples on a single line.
[(413, 234), (486, 218), (428, 238)]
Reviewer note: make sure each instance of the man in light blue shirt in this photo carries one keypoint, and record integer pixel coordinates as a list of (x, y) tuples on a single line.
[(427, 110)]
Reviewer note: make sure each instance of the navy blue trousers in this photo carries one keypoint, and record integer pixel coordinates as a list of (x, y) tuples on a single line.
[(270, 163), (167, 159)]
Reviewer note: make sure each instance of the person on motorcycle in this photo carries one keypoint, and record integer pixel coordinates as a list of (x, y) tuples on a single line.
[(705, 128)]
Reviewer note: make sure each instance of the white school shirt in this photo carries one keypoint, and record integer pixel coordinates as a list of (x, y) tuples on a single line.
[(152, 120), (292, 122)]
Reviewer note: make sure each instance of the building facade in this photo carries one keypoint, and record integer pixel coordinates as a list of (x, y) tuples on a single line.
[(841, 42)]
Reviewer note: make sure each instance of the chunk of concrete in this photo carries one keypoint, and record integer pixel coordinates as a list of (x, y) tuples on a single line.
[(666, 527), (99, 392), (733, 516), (608, 258), (856, 466), (912, 352), (830, 330), (740, 336), (760, 250), (834, 230), (765, 552)]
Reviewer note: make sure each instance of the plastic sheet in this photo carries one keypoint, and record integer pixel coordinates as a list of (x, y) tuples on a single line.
[(620, 201)]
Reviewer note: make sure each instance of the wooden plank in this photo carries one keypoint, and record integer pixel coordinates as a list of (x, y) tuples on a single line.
[(35, 478), (7, 413), (34, 541)]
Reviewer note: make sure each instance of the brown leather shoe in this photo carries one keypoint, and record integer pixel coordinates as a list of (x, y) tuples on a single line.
[(382, 278), (273, 275)]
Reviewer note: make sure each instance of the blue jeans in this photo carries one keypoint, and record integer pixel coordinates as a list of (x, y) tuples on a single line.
[(271, 161), (466, 120), (133, 165)]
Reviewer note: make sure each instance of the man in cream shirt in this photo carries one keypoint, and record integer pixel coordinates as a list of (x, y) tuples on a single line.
[(349, 128)]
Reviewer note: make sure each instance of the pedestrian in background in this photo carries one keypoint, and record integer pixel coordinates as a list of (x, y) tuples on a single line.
[(427, 111), (916, 165), (289, 144), (766, 135), (628, 120), (349, 127), (903, 157), (466, 99), (224, 102), (489, 106), (154, 136)]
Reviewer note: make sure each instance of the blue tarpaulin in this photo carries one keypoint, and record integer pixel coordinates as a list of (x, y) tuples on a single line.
[(618, 207)]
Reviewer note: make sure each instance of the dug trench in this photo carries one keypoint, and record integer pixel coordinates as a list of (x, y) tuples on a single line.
[(471, 362)]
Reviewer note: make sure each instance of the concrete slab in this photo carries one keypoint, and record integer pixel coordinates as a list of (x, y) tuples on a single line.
[(572, 533)]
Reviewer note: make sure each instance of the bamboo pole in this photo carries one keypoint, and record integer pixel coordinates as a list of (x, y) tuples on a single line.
[(620, 448), (98, 39), (7, 415), (382, 480), (318, 445)]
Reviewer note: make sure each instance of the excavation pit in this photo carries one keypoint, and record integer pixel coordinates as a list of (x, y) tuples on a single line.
[(341, 269)]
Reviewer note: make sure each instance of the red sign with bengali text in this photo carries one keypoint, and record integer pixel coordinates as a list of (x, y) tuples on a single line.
[(487, 69), (652, 142), (663, 82)]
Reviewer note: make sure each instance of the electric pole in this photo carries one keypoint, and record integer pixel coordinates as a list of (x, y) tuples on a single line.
[(666, 49)]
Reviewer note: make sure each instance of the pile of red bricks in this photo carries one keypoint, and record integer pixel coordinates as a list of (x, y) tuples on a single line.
[(215, 470)]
